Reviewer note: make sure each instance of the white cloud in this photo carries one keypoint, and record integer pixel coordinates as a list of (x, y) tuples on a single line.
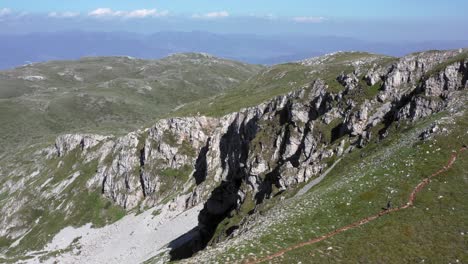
[(304, 19), (63, 14), (218, 14), (100, 12), (140, 13), (146, 13), (5, 11)]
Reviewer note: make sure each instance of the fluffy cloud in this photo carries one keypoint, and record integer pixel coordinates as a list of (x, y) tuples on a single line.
[(147, 12), (4, 11), (63, 14), (101, 12), (140, 13), (308, 19), (218, 14)]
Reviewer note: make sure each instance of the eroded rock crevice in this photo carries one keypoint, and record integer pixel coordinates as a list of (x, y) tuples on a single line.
[(298, 142), (254, 154)]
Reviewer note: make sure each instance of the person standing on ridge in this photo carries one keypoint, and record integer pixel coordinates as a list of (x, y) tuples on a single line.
[(389, 205)]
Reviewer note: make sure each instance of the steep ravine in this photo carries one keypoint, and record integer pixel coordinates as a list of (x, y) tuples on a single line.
[(296, 147), (234, 163)]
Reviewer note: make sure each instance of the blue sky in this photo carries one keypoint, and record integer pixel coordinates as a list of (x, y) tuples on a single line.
[(398, 19), (330, 8)]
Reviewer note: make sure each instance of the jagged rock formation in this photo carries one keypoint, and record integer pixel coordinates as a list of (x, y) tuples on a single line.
[(248, 156)]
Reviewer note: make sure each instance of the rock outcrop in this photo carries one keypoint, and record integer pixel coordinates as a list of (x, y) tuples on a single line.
[(263, 150), (278, 143)]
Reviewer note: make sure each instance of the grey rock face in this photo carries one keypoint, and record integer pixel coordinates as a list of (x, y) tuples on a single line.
[(118, 182), (349, 81), (239, 146), (403, 75), (259, 150), (446, 81), (357, 121), (68, 142), (375, 75), (420, 107), (429, 132)]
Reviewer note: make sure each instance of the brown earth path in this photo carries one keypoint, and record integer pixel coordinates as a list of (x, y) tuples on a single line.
[(366, 220)]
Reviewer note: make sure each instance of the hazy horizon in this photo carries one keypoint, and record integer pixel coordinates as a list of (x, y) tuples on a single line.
[(262, 32), (249, 48), (367, 20)]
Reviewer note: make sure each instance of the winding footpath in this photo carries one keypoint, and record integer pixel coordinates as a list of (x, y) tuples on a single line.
[(368, 219)]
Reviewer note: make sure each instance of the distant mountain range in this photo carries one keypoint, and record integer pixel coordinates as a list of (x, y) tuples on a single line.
[(19, 49)]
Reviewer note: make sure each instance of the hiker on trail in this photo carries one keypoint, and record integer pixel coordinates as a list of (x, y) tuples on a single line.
[(389, 205)]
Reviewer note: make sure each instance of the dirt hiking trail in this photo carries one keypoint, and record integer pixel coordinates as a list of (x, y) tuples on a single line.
[(410, 203)]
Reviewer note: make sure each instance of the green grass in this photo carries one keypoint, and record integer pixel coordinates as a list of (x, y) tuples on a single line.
[(95, 107), (430, 231), (87, 206), (324, 131), (156, 213), (5, 242), (278, 80), (235, 218), (357, 188), (370, 91), (172, 180), (275, 81), (187, 149), (184, 148), (169, 138), (4, 195), (132, 94), (113, 101), (177, 173)]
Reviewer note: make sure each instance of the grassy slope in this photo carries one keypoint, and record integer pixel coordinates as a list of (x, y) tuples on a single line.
[(72, 204), (430, 231), (43, 218), (113, 100), (283, 78), (252, 92), (107, 102), (279, 80), (106, 95), (359, 187)]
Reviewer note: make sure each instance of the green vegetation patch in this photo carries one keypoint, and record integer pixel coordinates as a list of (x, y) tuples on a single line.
[(110, 95), (87, 206), (462, 57), (359, 186), (173, 179), (231, 223)]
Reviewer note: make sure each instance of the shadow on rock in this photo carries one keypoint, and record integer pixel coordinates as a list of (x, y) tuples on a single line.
[(222, 201)]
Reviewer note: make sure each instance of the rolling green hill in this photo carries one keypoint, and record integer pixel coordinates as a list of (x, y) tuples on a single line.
[(283, 78), (106, 94)]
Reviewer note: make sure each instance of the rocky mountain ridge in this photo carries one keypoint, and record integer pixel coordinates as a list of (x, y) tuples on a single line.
[(233, 163)]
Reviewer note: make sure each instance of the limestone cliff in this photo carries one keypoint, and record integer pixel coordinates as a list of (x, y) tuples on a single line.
[(250, 155)]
